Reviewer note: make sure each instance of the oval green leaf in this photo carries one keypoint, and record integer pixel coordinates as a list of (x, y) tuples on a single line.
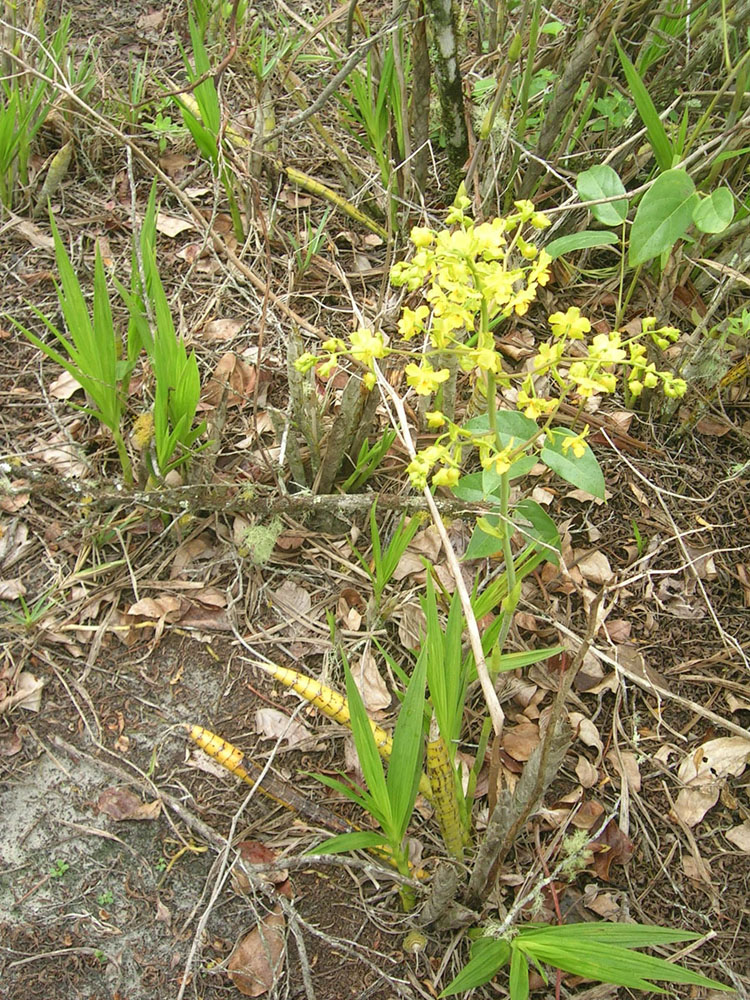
[(584, 473), (602, 181), (580, 241), (663, 217), (713, 214)]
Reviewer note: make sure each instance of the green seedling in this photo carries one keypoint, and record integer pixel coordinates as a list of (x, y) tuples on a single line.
[(305, 249), (59, 868), (368, 461), (175, 370), (105, 898), (92, 350), (201, 113), (386, 558)]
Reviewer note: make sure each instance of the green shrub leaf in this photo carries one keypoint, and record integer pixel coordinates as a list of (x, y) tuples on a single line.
[(663, 217), (583, 473), (713, 214), (602, 181)]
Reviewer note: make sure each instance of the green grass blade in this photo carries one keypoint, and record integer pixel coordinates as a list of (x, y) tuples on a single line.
[(405, 765), (657, 135), (367, 752), (345, 842)]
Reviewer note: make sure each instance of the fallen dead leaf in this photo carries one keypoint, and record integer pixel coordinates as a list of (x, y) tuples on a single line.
[(586, 773), (256, 960), (611, 847), (370, 684), (585, 730), (32, 233), (167, 607), (172, 226), (64, 386), (121, 804), (595, 567), (11, 590), (222, 329), (521, 741), (626, 766), (10, 743), (232, 381), (411, 625), (271, 724), (291, 600), (703, 772), (618, 630), (253, 852), (740, 836)]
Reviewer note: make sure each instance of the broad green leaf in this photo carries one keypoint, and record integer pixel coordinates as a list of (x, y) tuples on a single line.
[(488, 956), (583, 473), (601, 181), (405, 765), (580, 241), (714, 214), (609, 963), (625, 935), (543, 529), (509, 425), (657, 135), (663, 217), (518, 981), (345, 842), (486, 539)]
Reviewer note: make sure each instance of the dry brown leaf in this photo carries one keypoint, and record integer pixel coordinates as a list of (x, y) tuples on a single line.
[(121, 804), (11, 590), (172, 226), (703, 772), (188, 552), (409, 563), (712, 427), (411, 625), (740, 836), (612, 846), (64, 386), (586, 773), (521, 741), (587, 817), (64, 458), (291, 600), (702, 562), (427, 543), (222, 329), (585, 730), (696, 869), (618, 630), (370, 684), (271, 724), (595, 568), (232, 381), (542, 496), (626, 766), (253, 852), (256, 960), (605, 906), (27, 694), (32, 233), (10, 743), (167, 607)]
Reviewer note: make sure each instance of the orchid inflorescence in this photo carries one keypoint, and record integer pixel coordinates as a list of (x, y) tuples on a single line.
[(471, 277)]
